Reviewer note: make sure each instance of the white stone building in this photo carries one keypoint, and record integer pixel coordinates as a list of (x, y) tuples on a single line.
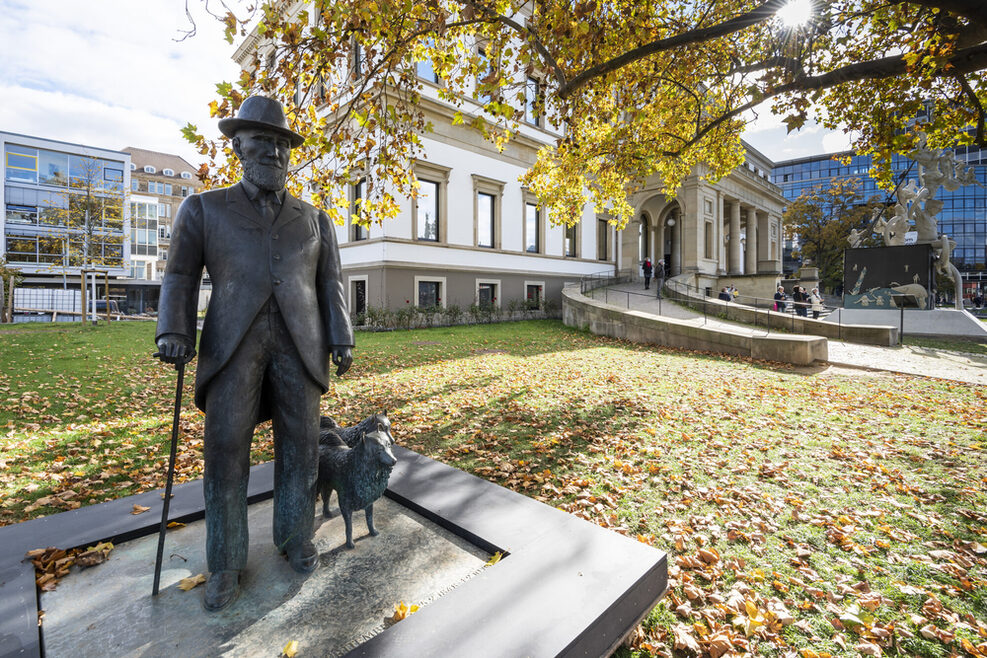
[(475, 235)]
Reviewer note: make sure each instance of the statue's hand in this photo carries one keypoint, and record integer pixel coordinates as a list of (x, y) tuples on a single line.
[(342, 358), (174, 348)]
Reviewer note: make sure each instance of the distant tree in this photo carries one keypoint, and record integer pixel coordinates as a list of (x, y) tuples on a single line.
[(822, 218), (7, 274), (637, 88), (95, 217)]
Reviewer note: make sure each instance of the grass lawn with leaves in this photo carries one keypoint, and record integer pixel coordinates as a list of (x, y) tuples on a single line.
[(806, 511)]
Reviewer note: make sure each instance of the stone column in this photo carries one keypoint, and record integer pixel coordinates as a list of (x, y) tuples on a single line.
[(764, 262), (734, 261), (718, 249), (750, 252), (677, 242)]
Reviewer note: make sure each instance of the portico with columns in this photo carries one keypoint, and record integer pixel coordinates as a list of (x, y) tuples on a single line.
[(729, 228)]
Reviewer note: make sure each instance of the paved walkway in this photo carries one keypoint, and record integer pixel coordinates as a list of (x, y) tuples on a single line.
[(908, 359)]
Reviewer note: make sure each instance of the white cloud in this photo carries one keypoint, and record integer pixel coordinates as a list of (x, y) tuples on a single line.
[(109, 73)]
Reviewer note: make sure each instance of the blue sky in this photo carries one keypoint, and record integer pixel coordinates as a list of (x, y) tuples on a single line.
[(110, 73)]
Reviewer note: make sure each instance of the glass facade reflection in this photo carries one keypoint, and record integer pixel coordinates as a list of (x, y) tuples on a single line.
[(963, 217), (62, 207)]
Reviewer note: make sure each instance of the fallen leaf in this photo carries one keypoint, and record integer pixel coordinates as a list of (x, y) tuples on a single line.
[(185, 584), (402, 610), (94, 555), (176, 524), (290, 649), (139, 509), (494, 559), (719, 644), (684, 639), (868, 649)]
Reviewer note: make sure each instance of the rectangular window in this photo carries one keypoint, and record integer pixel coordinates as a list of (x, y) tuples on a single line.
[(357, 69), (359, 297), (486, 294), (184, 191), (486, 69), (134, 185), (53, 168), (532, 228), (532, 91), (113, 175), (426, 71), (602, 232), (429, 294), (709, 240), (484, 220), (570, 241), (428, 211), (359, 191), (21, 214), (167, 189), (533, 295), (22, 248), (22, 164)]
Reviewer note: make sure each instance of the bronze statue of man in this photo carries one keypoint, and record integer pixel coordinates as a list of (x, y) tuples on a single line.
[(276, 316)]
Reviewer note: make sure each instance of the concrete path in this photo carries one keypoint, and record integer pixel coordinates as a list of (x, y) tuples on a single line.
[(908, 359)]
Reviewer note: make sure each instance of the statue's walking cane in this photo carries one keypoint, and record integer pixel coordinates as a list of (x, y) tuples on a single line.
[(180, 367)]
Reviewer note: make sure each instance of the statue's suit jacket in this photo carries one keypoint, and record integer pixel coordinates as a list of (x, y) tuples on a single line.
[(295, 261)]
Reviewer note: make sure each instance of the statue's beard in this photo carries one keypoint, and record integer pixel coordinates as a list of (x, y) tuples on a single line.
[(266, 177)]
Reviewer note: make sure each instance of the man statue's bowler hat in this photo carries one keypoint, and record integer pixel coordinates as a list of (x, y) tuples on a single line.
[(261, 112)]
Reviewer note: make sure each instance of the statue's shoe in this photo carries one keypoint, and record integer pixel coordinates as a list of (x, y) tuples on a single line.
[(303, 558), (221, 590)]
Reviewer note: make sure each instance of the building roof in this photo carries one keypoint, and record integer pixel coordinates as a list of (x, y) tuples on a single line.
[(160, 161)]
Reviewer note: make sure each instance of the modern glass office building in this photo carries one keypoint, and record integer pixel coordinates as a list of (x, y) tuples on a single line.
[(963, 217), (63, 207)]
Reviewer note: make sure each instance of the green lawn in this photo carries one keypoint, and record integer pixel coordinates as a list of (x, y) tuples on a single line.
[(805, 513)]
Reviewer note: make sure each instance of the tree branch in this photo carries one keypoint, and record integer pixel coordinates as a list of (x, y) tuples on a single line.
[(964, 61), (973, 10), (753, 17), (968, 90)]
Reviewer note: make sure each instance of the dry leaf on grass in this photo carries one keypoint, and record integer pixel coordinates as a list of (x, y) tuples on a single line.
[(684, 639)]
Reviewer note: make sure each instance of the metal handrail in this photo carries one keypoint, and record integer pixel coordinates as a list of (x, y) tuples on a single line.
[(700, 298)]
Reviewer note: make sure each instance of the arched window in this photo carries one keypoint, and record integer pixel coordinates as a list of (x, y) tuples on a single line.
[(168, 172), (644, 237), (187, 175), (148, 169)]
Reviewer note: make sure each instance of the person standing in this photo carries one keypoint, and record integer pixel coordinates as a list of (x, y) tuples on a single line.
[(648, 269), (780, 300), (276, 317), (817, 304)]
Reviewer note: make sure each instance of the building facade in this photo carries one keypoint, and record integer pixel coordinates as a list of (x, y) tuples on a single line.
[(64, 210), (728, 228), (476, 236), (159, 182), (963, 217)]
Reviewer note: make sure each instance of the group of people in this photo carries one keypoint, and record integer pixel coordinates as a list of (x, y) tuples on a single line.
[(658, 270), (728, 293), (802, 301)]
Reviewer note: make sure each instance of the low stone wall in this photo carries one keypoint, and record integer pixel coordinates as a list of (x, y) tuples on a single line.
[(606, 320), (852, 333)]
